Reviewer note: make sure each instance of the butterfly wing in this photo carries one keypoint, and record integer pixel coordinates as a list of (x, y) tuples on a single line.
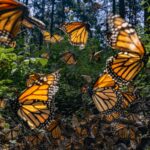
[(30, 22), (105, 80), (125, 132), (36, 105), (51, 38), (105, 94), (77, 31), (124, 67), (54, 128), (69, 58), (36, 114), (123, 36), (46, 35), (56, 38), (11, 15), (112, 116), (2, 104), (12, 133), (34, 139), (128, 99)]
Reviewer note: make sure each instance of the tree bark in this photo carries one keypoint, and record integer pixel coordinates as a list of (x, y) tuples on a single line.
[(52, 16), (146, 23), (114, 6), (122, 8)]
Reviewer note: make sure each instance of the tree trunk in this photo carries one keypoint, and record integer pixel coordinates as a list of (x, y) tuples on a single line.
[(52, 16), (114, 6), (43, 13), (134, 13), (63, 10), (146, 23), (26, 2), (122, 8)]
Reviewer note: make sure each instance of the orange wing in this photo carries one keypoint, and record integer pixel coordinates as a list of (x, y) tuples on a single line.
[(36, 114), (69, 58), (124, 67), (128, 99), (32, 79), (36, 105), (40, 88), (112, 116), (125, 132), (54, 128), (51, 38), (105, 80), (34, 139), (12, 15), (124, 36), (2, 104), (77, 32), (106, 95), (30, 22)]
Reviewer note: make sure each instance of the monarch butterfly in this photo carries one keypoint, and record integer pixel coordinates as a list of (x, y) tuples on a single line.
[(27, 24), (128, 99), (112, 116), (13, 133), (2, 123), (34, 139), (105, 94), (126, 64), (51, 38), (30, 22), (77, 32), (32, 78), (36, 105), (134, 117), (69, 58), (79, 127), (95, 56), (125, 132), (87, 78), (12, 14), (45, 55), (2, 103), (54, 128)]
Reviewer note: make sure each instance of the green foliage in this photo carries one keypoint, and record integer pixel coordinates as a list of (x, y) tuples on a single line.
[(17, 64), (69, 99), (14, 68), (141, 81)]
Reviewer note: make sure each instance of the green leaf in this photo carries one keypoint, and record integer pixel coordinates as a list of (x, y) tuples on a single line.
[(6, 81), (26, 61), (9, 56), (143, 2), (12, 56), (6, 50), (43, 61)]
